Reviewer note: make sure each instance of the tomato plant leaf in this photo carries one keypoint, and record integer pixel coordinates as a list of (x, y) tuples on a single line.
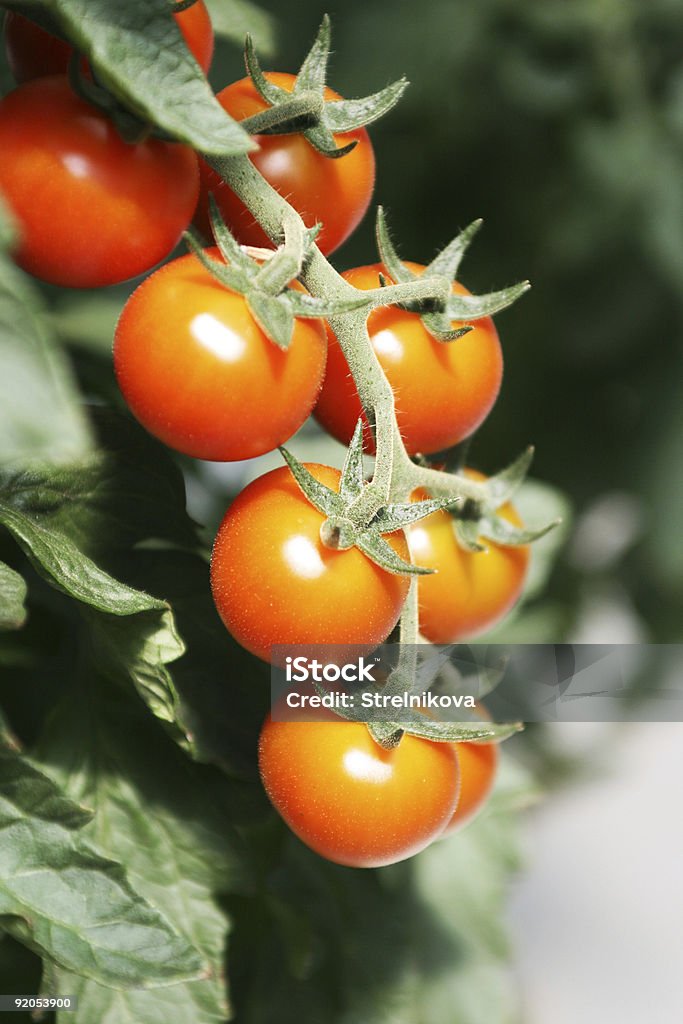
[(140, 55), (40, 417), (59, 895), (12, 598), (235, 19), (171, 821)]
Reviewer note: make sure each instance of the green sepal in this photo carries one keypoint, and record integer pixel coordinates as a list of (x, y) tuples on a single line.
[(398, 516), (447, 263), (440, 327), (467, 532), (504, 485), (387, 734), (327, 117), (337, 508), (460, 732), (501, 531), (387, 251), (273, 316), (474, 307), (352, 477)]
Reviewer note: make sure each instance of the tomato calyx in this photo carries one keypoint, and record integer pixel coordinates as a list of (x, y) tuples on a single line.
[(438, 315), (343, 528), (265, 283), (306, 110)]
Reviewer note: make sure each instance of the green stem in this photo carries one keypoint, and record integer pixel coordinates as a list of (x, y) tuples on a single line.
[(395, 476)]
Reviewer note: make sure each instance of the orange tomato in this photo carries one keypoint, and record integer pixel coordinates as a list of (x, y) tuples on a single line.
[(470, 591), (333, 192), (444, 390), (349, 799), (274, 581), (478, 764)]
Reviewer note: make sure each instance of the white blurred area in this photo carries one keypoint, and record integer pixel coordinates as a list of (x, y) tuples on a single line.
[(597, 916)]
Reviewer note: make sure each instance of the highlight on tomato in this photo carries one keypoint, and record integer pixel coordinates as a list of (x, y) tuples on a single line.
[(200, 374), (444, 390), (32, 52), (275, 582), (470, 590), (350, 800), (332, 192), (91, 209)]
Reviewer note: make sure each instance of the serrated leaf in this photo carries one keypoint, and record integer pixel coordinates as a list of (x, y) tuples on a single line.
[(68, 901), (140, 55), (449, 259), (40, 416), (473, 307), (12, 598), (171, 822), (234, 19)]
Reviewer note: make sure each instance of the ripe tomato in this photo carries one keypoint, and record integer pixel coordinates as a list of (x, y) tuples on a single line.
[(199, 373), (444, 391), (333, 192), (34, 53), (351, 801), (92, 210), (470, 591), (274, 581), (478, 764)]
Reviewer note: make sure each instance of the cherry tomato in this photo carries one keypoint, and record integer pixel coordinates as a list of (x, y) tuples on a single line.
[(478, 763), (92, 210), (444, 390), (352, 801), (333, 192), (34, 53), (274, 581), (199, 373), (470, 591)]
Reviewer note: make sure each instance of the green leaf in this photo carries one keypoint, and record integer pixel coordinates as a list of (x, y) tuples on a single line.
[(40, 416), (60, 896), (12, 598), (140, 55), (171, 822), (235, 19)]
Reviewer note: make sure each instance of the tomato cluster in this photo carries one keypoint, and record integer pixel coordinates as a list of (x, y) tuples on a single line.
[(200, 370)]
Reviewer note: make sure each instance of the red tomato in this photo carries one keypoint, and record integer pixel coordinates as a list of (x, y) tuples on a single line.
[(274, 581), (470, 591), (444, 391), (34, 53), (92, 209), (478, 764), (351, 801), (333, 192), (199, 373)]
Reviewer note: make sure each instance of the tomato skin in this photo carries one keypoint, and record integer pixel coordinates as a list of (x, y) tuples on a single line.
[(199, 373), (351, 801), (334, 192), (478, 763), (470, 591), (274, 581), (34, 53), (92, 210), (444, 391)]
